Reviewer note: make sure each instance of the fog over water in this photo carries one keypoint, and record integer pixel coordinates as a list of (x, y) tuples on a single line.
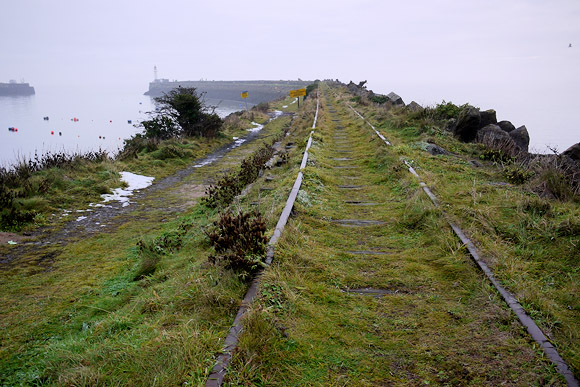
[(94, 60)]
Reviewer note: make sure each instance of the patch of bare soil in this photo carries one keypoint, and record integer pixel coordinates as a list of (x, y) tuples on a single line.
[(6, 237)]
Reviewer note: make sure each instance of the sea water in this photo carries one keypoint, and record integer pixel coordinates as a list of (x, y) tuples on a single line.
[(80, 119)]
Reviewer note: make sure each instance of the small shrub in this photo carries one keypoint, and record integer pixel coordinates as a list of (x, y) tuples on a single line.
[(379, 99), (262, 107), (517, 174), (137, 144), (495, 155), (310, 88), (239, 242), (223, 193), (447, 110), (557, 184), (229, 186), (160, 127)]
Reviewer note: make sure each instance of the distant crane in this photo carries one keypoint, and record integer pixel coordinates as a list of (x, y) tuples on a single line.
[(155, 72)]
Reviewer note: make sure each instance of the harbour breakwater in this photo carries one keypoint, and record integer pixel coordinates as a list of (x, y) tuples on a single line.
[(258, 91), (15, 89)]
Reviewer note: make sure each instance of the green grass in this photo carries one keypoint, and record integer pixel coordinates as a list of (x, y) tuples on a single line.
[(442, 323), (84, 313), (89, 317)]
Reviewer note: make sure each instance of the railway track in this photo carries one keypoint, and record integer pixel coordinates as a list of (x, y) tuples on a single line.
[(378, 289)]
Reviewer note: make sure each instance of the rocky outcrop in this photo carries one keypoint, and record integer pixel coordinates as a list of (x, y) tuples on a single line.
[(414, 107), (573, 152), (506, 126), (521, 137), (494, 132), (395, 99), (493, 135), (482, 126), (468, 123), (487, 118), (436, 150)]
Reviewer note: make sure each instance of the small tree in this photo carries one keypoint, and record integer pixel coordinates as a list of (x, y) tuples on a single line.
[(186, 108), (160, 127)]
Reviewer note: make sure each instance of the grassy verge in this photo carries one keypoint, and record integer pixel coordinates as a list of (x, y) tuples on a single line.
[(36, 189), (142, 305), (532, 241)]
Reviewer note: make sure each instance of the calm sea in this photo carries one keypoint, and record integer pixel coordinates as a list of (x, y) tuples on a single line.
[(104, 118)]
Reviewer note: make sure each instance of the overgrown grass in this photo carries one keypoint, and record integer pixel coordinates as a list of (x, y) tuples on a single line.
[(138, 306), (518, 225), (439, 322)]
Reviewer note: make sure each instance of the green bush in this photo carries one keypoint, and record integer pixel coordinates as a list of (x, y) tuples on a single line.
[(447, 110), (185, 107), (517, 174), (239, 242), (310, 88), (379, 99)]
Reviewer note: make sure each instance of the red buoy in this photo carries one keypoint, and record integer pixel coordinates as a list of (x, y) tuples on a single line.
[(52, 132)]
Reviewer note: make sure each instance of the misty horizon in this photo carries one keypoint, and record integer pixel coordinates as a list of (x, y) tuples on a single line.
[(514, 57)]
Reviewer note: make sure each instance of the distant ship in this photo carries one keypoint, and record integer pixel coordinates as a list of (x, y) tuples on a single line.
[(14, 88)]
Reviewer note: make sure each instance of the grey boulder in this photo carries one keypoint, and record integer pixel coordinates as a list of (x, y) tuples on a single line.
[(521, 137), (493, 135), (506, 126), (573, 152), (414, 107), (395, 99), (467, 124), (487, 117)]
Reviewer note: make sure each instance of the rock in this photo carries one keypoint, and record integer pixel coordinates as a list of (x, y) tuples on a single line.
[(492, 134), (521, 137), (506, 126), (436, 150), (467, 124), (450, 125), (487, 118), (414, 107), (573, 152), (395, 99)]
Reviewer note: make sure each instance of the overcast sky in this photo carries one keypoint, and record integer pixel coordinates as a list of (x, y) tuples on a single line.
[(426, 50)]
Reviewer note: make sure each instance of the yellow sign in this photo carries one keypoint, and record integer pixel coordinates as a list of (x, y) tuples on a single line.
[(245, 94), (297, 93)]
